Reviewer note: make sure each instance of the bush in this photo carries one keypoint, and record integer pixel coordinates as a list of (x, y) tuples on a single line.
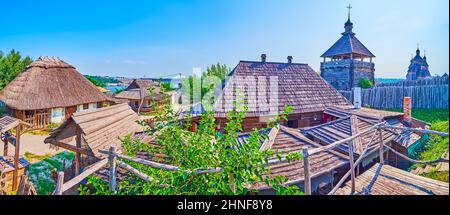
[(365, 83)]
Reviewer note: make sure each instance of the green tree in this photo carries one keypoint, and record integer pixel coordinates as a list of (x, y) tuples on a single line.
[(96, 81), (365, 83), (11, 65)]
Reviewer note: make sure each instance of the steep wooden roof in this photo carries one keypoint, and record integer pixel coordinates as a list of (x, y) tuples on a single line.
[(100, 129), (387, 180), (284, 140), (139, 89), (49, 82), (296, 85)]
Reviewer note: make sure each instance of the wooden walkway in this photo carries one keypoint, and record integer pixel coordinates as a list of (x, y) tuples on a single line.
[(388, 180)]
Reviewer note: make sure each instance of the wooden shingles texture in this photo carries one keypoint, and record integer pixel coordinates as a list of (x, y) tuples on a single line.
[(289, 140), (340, 129), (7, 123), (388, 180), (268, 87), (47, 83), (139, 89), (347, 44), (100, 128)]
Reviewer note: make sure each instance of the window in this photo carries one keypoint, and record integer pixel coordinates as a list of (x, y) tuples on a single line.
[(136, 103), (85, 106), (293, 123), (99, 104)]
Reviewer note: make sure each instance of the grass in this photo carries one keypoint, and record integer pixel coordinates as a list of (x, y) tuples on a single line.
[(40, 173), (427, 115), (441, 176), (46, 131)]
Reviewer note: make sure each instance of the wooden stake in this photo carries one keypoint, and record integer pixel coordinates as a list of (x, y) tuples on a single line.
[(77, 153), (352, 166), (16, 158), (306, 166), (59, 184), (5, 147), (381, 146), (112, 169)]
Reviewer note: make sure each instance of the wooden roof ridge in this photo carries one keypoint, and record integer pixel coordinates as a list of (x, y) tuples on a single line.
[(78, 116), (271, 62)]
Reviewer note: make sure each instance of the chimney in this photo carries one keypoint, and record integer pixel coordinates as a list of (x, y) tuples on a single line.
[(357, 97), (407, 109), (263, 58), (289, 58)]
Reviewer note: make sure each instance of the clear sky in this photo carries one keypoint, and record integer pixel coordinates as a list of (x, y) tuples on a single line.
[(154, 38)]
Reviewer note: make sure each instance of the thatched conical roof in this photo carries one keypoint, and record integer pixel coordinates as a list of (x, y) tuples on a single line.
[(49, 82)]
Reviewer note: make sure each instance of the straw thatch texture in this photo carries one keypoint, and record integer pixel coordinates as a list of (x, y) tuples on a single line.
[(287, 140), (47, 83), (267, 85), (100, 129)]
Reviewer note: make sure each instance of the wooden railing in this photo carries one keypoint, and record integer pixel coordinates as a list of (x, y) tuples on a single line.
[(113, 162)]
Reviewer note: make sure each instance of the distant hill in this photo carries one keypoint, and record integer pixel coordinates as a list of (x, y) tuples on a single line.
[(388, 80), (102, 79)]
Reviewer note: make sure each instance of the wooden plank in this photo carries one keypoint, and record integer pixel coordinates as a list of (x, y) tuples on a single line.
[(306, 170), (77, 179)]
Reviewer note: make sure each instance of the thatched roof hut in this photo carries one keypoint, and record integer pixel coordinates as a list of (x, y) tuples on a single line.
[(45, 84), (139, 96)]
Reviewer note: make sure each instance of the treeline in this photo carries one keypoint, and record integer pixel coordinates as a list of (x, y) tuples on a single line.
[(100, 80), (11, 65)]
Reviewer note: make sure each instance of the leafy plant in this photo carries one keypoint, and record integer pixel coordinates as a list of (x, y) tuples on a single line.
[(365, 83), (11, 65)]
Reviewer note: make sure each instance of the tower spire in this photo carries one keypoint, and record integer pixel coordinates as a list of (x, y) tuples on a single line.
[(349, 8)]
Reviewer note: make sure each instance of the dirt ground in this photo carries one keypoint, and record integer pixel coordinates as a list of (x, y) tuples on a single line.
[(33, 144)]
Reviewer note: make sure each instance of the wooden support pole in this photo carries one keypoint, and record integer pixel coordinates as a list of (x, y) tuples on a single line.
[(59, 184), (306, 166), (381, 145), (5, 147), (112, 169), (352, 166), (78, 153), (16, 158)]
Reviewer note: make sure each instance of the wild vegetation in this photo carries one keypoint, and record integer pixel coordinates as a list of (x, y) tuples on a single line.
[(242, 165), (365, 83), (100, 81), (11, 65), (436, 146)]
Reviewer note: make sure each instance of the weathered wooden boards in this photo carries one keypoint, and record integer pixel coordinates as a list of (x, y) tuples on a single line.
[(428, 94), (388, 180)]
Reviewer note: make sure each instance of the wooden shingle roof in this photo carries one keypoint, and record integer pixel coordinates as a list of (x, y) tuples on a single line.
[(49, 82), (139, 89), (343, 128), (347, 44), (284, 140), (293, 83), (100, 129)]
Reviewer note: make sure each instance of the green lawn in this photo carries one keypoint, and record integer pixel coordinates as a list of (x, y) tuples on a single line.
[(427, 115)]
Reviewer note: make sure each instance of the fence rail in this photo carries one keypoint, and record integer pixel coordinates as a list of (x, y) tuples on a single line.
[(61, 187)]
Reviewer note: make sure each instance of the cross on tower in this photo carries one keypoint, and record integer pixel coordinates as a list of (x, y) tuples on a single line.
[(349, 8)]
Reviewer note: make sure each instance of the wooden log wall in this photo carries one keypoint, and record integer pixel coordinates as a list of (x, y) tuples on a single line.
[(426, 94)]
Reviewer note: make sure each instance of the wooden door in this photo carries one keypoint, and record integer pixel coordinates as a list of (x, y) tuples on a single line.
[(69, 111)]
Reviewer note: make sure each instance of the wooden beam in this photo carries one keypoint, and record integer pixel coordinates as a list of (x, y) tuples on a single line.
[(16, 158), (418, 130), (352, 166), (381, 145), (306, 167), (59, 184), (77, 179), (77, 152), (112, 169), (5, 147)]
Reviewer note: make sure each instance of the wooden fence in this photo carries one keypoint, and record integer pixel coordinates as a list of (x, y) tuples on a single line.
[(426, 94), (113, 162)]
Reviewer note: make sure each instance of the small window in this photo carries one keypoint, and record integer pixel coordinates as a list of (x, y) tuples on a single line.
[(136, 103), (99, 104), (293, 123), (85, 106)]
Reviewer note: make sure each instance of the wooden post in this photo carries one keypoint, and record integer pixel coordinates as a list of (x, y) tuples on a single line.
[(77, 153), (307, 174), (381, 146), (5, 147), (16, 158), (112, 169), (59, 184), (352, 166)]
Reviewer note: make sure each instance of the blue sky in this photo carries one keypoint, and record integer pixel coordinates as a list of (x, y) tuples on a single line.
[(155, 38)]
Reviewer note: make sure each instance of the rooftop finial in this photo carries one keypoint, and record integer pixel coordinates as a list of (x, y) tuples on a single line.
[(349, 8)]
